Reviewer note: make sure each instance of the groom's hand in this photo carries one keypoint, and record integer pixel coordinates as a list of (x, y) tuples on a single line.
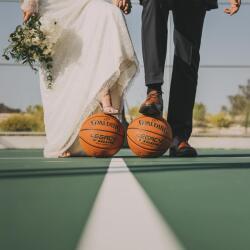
[(234, 7)]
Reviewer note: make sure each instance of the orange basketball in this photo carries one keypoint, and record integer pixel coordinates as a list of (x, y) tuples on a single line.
[(101, 135), (149, 137)]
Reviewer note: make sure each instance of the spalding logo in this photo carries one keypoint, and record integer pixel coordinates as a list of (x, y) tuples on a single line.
[(107, 124), (153, 124)]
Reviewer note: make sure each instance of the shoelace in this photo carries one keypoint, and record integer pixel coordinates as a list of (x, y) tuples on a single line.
[(155, 94)]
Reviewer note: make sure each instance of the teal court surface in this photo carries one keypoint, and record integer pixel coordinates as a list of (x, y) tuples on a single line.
[(125, 202)]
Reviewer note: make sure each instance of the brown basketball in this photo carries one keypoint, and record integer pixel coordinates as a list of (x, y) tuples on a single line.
[(101, 135), (149, 137)]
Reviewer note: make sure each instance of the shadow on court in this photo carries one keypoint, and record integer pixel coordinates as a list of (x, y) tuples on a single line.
[(30, 163), (102, 170), (53, 172), (185, 167)]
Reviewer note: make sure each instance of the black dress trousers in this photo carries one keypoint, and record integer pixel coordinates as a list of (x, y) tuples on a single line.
[(188, 18)]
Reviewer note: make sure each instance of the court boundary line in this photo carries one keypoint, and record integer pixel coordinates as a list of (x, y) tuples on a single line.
[(122, 208)]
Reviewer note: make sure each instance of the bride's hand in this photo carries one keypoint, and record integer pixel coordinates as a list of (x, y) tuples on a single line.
[(128, 7), (27, 15), (119, 3)]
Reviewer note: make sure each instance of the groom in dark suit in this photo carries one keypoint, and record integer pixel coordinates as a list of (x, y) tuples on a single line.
[(188, 16)]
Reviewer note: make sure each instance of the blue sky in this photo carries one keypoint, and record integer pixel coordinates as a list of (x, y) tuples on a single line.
[(226, 41)]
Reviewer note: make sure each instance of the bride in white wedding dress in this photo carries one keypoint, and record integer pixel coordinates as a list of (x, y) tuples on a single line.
[(94, 62)]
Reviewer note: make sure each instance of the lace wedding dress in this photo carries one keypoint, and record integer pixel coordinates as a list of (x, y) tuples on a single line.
[(94, 52)]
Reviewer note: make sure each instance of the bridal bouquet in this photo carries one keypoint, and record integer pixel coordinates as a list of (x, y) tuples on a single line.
[(33, 44)]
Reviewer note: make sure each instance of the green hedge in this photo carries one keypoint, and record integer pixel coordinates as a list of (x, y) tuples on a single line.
[(220, 120), (22, 122)]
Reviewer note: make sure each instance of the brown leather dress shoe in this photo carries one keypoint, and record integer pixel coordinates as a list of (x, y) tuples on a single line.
[(181, 148), (153, 105)]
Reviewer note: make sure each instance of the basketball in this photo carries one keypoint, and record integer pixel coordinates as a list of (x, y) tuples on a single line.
[(101, 135), (149, 137)]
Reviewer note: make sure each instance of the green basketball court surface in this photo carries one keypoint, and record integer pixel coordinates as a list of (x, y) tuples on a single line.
[(125, 202)]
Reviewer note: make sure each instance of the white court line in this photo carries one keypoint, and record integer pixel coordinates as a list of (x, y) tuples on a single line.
[(124, 218)]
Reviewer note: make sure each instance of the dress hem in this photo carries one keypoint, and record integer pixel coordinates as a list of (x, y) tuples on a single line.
[(131, 70)]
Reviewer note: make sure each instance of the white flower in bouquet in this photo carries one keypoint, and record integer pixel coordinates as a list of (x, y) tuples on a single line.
[(35, 40)]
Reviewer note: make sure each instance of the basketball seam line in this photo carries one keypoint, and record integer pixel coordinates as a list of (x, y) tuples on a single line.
[(96, 146), (102, 131), (89, 118), (152, 132)]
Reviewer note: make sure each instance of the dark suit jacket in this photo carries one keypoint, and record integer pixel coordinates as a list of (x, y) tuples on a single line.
[(209, 4)]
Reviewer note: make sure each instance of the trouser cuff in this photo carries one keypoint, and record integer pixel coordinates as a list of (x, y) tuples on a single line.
[(154, 81)]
